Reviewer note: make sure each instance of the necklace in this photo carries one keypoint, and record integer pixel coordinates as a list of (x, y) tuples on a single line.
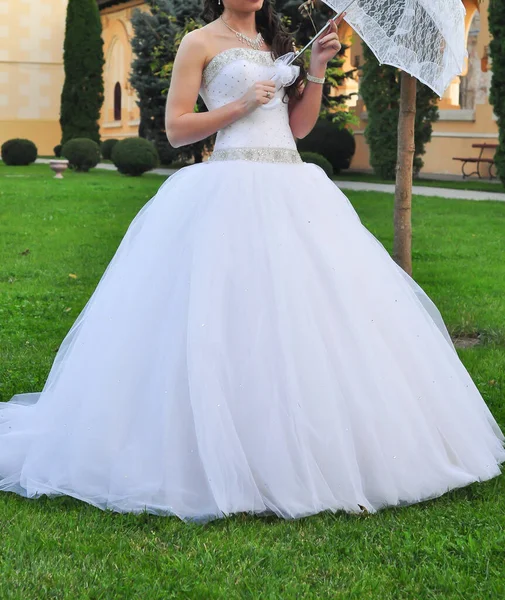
[(254, 43)]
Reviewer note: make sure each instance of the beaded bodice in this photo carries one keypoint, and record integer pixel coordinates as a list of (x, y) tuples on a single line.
[(262, 135)]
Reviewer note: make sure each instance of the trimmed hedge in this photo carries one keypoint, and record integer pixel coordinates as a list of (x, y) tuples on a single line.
[(337, 145), (134, 156), (107, 147), (82, 153), (18, 152), (318, 159), (57, 150)]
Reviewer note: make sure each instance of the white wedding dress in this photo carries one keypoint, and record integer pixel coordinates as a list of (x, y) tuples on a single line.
[(251, 347)]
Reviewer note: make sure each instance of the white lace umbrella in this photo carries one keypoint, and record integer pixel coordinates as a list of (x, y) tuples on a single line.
[(425, 38)]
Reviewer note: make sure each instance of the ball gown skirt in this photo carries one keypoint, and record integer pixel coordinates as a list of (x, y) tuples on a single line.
[(251, 347)]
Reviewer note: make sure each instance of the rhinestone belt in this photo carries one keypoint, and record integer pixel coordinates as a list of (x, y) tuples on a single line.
[(282, 155)]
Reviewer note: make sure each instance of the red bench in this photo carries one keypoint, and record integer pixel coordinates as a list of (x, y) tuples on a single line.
[(478, 161)]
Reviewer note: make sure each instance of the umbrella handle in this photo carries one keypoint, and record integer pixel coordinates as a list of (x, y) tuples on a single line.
[(275, 102)]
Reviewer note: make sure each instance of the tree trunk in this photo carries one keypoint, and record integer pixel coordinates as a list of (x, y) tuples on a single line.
[(404, 173)]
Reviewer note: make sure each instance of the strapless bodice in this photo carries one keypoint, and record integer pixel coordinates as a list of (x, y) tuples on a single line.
[(261, 135)]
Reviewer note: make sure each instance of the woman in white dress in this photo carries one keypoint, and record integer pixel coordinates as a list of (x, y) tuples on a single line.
[(251, 347)]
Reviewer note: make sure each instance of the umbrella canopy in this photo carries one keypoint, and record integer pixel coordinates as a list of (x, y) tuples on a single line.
[(425, 38)]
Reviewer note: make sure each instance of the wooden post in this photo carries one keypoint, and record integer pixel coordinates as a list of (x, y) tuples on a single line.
[(404, 174)]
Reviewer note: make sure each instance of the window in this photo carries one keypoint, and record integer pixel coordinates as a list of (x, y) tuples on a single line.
[(117, 102)]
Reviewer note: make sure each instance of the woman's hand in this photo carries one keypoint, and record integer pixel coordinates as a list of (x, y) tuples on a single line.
[(327, 46), (304, 111), (259, 93)]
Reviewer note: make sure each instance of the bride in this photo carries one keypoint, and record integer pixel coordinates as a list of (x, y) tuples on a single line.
[(251, 347)]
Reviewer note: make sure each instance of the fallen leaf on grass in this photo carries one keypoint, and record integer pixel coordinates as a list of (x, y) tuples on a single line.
[(25, 252), (73, 275)]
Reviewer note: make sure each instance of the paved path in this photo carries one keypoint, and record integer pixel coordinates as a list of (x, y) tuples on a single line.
[(418, 190)]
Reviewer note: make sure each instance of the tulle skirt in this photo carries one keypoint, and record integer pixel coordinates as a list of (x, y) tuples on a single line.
[(251, 347)]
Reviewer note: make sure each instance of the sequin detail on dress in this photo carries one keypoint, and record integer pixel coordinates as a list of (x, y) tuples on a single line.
[(276, 155), (260, 135), (261, 57)]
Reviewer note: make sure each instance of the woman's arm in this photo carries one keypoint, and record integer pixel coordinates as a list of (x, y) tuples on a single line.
[(304, 111), (183, 126)]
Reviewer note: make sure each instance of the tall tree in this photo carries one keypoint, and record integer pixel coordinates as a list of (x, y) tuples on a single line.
[(82, 94), (497, 97), (401, 113), (402, 251)]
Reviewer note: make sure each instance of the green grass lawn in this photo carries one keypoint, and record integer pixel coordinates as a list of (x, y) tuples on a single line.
[(474, 184), (450, 547)]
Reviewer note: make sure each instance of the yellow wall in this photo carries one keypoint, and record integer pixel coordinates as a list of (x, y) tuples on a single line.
[(31, 70), (32, 76), (458, 128)]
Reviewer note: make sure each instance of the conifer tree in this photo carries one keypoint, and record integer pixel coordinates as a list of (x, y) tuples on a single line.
[(157, 37), (497, 98), (82, 95), (380, 89)]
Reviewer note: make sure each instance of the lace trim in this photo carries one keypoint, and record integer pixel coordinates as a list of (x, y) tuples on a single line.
[(283, 155), (261, 57)]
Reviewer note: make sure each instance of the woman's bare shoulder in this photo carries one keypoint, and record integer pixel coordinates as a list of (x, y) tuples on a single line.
[(200, 44), (199, 40), (194, 42)]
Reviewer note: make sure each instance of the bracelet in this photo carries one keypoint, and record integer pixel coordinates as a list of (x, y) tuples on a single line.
[(315, 79)]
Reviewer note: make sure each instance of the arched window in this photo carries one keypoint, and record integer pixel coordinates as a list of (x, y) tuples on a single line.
[(117, 102)]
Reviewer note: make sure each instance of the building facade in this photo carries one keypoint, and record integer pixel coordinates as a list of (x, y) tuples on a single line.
[(466, 116), (31, 79), (31, 70), (120, 116)]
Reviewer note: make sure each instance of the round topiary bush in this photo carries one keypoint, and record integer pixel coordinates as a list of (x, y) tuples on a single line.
[(57, 150), (337, 145), (318, 159), (18, 152), (107, 147), (135, 156), (82, 154)]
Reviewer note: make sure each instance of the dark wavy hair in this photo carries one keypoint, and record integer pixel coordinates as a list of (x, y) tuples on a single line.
[(273, 31)]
